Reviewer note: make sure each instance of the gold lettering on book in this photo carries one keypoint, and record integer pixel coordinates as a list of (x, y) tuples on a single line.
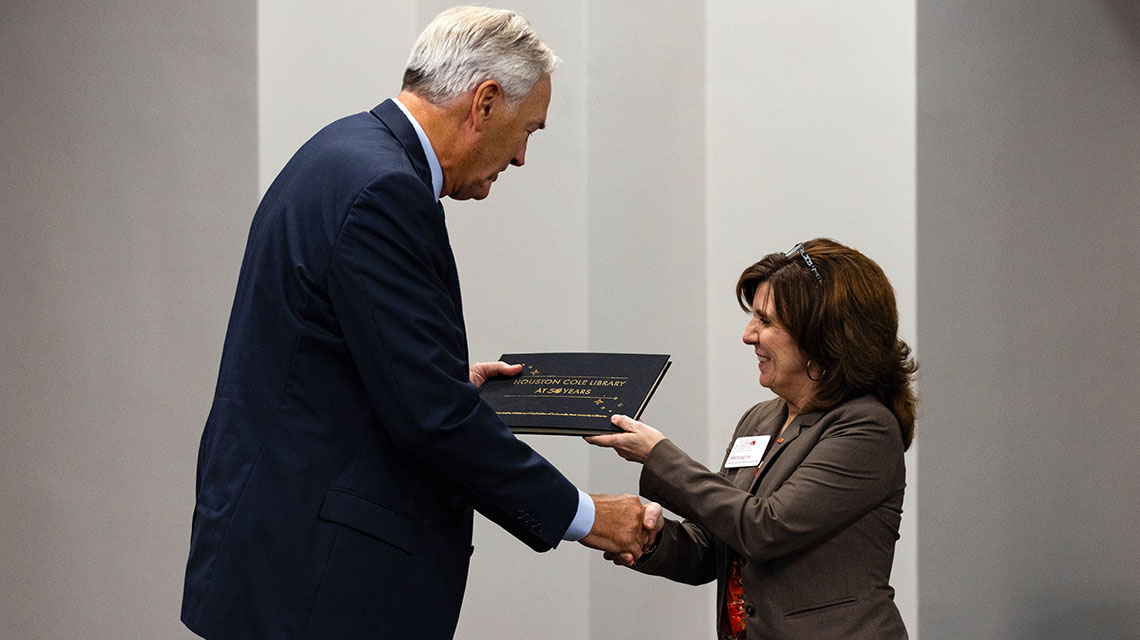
[(553, 391), (534, 380), (580, 386)]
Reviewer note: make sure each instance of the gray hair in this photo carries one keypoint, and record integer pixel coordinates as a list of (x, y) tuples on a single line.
[(466, 46)]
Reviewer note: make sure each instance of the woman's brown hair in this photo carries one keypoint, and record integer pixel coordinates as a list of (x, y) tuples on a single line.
[(839, 307)]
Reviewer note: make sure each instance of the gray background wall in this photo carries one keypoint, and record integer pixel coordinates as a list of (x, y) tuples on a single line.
[(685, 141), (128, 149), (1029, 195)]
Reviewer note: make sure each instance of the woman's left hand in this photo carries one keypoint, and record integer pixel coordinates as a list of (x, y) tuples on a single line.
[(633, 445)]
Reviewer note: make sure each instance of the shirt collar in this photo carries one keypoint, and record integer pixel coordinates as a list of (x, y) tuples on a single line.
[(433, 162)]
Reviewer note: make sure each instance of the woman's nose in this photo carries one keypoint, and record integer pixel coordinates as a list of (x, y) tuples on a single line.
[(749, 336)]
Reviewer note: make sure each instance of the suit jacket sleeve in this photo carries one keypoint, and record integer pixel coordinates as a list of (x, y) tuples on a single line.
[(393, 286), (851, 468)]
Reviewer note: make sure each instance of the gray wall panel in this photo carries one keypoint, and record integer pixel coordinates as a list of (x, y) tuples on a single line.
[(128, 142), (647, 264), (1029, 188)]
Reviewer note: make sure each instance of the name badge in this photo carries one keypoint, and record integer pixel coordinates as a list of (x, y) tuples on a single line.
[(747, 451)]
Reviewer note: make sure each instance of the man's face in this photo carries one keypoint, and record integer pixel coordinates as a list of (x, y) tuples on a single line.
[(501, 141)]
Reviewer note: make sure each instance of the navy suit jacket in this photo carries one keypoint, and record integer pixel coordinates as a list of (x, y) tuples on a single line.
[(346, 446)]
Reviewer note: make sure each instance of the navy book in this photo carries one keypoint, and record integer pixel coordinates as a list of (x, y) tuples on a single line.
[(574, 393)]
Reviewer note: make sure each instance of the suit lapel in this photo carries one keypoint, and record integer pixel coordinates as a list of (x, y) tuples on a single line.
[(452, 278), (390, 114), (451, 281), (394, 119)]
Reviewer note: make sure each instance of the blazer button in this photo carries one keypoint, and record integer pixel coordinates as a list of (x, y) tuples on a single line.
[(749, 609)]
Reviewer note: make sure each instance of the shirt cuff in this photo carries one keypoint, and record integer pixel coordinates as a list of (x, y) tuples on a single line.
[(583, 520)]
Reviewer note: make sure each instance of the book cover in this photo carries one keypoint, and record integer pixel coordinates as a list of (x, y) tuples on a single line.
[(574, 393)]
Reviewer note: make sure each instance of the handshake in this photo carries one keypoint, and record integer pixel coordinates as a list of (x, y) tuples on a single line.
[(623, 527)]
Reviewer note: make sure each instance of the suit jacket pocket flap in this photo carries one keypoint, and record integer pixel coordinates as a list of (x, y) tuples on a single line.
[(820, 606), (370, 518)]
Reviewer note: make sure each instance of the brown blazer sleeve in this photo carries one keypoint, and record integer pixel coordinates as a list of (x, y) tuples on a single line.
[(833, 467), (685, 553)]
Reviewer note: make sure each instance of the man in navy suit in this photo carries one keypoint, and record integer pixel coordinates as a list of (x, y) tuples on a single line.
[(347, 443)]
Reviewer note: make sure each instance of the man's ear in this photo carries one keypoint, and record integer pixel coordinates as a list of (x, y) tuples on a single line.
[(488, 98)]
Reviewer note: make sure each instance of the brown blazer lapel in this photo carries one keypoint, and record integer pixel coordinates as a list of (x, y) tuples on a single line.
[(744, 478), (779, 443)]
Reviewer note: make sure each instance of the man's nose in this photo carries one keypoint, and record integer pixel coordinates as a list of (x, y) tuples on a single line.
[(520, 157)]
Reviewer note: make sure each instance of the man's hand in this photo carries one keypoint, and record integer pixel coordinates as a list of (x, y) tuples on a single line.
[(653, 521), (618, 526), (480, 371)]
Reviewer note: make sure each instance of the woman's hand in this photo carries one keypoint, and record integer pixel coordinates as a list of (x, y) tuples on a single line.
[(480, 371), (633, 445)]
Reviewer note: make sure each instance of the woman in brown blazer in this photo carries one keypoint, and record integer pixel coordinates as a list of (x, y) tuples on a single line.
[(799, 525)]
